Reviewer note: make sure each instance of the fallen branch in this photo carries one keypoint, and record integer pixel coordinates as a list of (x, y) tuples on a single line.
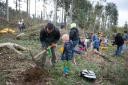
[(13, 46), (40, 53), (21, 35)]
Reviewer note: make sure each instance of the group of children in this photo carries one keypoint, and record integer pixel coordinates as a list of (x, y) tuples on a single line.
[(96, 43), (74, 44), (68, 49)]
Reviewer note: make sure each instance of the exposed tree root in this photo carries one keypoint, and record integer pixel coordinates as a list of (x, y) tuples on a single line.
[(13, 46)]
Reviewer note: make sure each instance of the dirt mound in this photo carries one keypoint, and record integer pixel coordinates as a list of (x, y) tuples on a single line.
[(21, 71), (30, 76), (34, 73), (7, 57)]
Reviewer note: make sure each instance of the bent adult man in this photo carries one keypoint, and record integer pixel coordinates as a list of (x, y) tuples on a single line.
[(49, 37)]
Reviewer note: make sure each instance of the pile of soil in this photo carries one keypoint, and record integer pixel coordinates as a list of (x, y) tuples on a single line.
[(30, 76), (21, 71), (7, 58)]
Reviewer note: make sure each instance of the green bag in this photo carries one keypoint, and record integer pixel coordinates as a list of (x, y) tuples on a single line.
[(49, 52)]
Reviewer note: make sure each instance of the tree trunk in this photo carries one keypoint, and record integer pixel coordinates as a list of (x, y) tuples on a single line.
[(41, 15), (7, 10), (27, 6), (16, 5), (35, 8), (55, 9), (19, 6), (62, 15), (71, 13), (65, 18)]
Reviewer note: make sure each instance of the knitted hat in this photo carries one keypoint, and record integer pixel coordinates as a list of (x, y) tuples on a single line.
[(73, 25)]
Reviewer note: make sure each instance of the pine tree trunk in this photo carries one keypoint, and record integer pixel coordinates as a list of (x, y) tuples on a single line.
[(35, 8), (55, 9), (27, 6), (16, 5), (7, 10)]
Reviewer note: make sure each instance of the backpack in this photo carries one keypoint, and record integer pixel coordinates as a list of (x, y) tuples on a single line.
[(88, 74), (74, 34)]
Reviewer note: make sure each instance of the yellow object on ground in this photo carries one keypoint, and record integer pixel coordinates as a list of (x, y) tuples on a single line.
[(61, 49), (103, 48), (7, 30)]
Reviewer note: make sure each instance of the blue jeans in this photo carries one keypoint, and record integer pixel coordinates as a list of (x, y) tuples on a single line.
[(125, 48), (119, 50)]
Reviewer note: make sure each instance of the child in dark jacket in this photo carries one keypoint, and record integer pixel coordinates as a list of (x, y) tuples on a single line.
[(67, 53)]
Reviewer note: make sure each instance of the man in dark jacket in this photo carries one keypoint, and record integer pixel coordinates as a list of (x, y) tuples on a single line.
[(49, 37), (119, 42)]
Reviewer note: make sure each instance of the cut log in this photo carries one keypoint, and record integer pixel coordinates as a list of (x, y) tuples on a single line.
[(13, 46), (40, 53), (21, 35)]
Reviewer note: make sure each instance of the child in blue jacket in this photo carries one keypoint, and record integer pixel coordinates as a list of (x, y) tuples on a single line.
[(96, 42), (67, 53)]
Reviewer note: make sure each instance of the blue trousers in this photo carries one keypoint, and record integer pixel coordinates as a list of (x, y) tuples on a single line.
[(119, 50)]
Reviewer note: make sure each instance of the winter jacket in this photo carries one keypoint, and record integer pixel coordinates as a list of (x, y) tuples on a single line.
[(68, 51), (94, 37), (49, 38), (119, 41), (96, 41), (74, 34)]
